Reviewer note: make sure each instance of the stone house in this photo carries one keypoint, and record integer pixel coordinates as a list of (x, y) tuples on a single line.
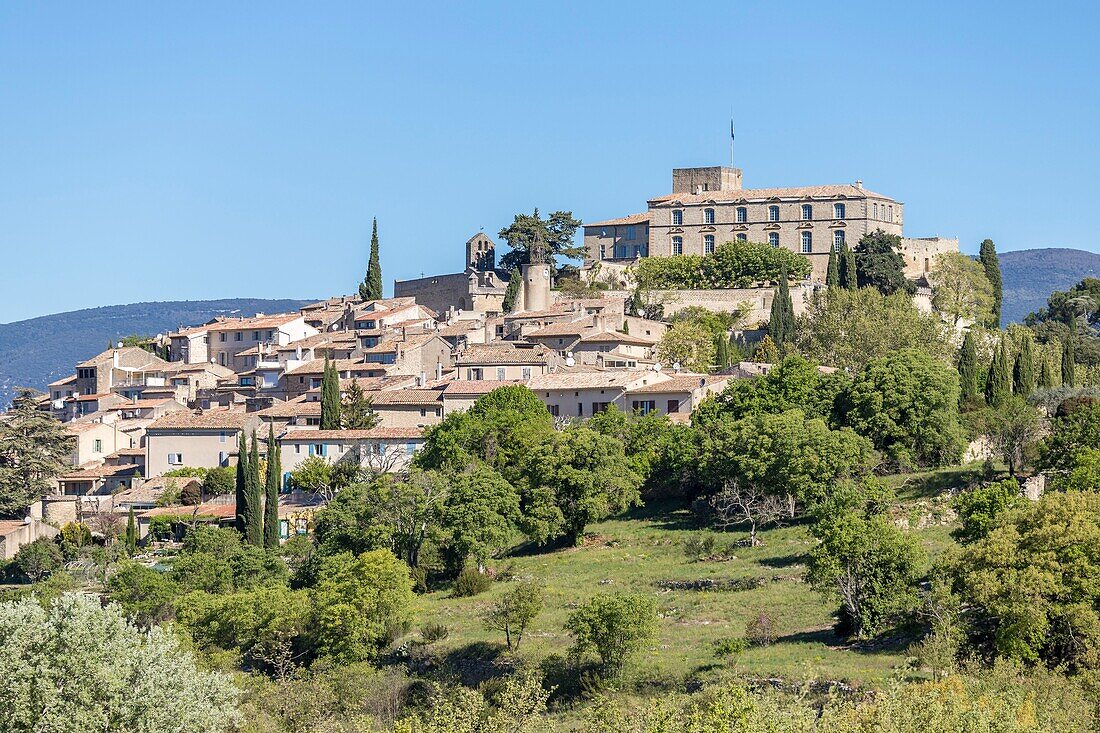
[(200, 439)]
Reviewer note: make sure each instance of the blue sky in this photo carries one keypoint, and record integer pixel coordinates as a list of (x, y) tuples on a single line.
[(150, 152)]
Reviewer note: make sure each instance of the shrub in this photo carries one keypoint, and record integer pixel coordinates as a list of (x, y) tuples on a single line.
[(730, 647), (732, 265), (432, 633), (760, 630), (700, 546), (615, 626), (38, 559), (471, 583), (513, 613)]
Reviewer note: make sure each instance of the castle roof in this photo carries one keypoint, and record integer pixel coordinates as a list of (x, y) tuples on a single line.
[(828, 191)]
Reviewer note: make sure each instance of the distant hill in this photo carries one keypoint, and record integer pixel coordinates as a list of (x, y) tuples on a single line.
[(1031, 275), (37, 351)]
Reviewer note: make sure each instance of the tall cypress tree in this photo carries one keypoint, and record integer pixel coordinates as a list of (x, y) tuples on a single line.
[(781, 320), (987, 255), (271, 491), (832, 275), (999, 385), (722, 348), (241, 485), (330, 397), (968, 368), (1046, 374), (254, 517), (848, 276), (734, 349), (131, 533), (1023, 373), (1069, 367), (371, 287)]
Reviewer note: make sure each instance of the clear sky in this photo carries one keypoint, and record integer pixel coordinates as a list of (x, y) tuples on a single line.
[(228, 149)]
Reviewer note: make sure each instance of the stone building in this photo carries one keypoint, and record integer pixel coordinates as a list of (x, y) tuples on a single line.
[(479, 288), (708, 207)]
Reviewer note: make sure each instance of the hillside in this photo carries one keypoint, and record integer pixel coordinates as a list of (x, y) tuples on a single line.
[(37, 351), (1030, 275)]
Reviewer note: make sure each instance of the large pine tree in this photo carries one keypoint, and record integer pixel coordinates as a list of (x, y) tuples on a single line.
[(34, 450), (254, 517), (968, 369), (330, 397), (781, 320), (1023, 372), (241, 485), (987, 255), (371, 287), (271, 491)]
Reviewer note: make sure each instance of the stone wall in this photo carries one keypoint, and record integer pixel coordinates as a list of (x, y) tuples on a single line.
[(758, 300)]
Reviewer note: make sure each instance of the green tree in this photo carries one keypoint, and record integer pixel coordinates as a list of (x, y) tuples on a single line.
[(555, 233), (615, 626), (1028, 582), (272, 484), (36, 560), (987, 256), (832, 275), (870, 565), (34, 450), (880, 265), (849, 278), (218, 481), (371, 287), (848, 328), (514, 398), (146, 595), (961, 290), (79, 666), (254, 516), (907, 403), (781, 320), (574, 478), (514, 612), (1011, 426), (313, 474), (254, 621), (131, 532), (241, 484), (1046, 373), (358, 603), (511, 293), (518, 707), (980, 509), (722, 351), (1069, 375), (357, 412), (998, 385), (1075, 428), (688, 344), (766, 352), (1023, 371), (479, 516), (968, 369), (794, 383), (330, 397)]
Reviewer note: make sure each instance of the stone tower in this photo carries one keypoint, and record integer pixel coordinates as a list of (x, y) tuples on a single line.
[(481, 254), (535, 288)]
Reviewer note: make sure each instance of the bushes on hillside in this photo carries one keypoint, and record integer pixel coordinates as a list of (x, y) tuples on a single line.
[(732, 265)]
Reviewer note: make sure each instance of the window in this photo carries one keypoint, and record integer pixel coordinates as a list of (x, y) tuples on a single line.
[(838, 240), (223, 458), (773, 239), (742, 237), (708, 216), (175, 459), (238, 336), (874, 211), (603, 251), (255, 335), (553, 409), (598, 407), (222, 437), (526, 372), (890, 216), (270, 335), (742, 214), (501, 372), (580, 409), (807, 212), (673, 407), (773, 213), (838, 211), (630, 232), (644, 407), (221, 358), (807, 242), (97, 446), (677, 245), (677, 217), (410, 448), (221, 337), (708, 244)]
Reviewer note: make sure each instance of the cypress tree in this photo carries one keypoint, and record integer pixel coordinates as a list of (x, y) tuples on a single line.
[(1023, 373), (131, 532), (722, 348), (511, 293), (987, 255), (241, 484), (371, 287), (832, 275), (271, 491), (254, 518), (968, 368), (781, 320), (999, 384), (734, 349), (1046, 374), (766, 352), (1069, 367), (330, 397), (848, 277)]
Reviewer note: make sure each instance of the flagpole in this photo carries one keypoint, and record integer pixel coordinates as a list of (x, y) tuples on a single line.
[(731, 144)]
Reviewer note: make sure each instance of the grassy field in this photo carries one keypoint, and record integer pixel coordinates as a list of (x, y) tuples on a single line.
[(637, 551)]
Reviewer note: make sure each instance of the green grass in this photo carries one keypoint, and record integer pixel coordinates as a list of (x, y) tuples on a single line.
[(635, 552)]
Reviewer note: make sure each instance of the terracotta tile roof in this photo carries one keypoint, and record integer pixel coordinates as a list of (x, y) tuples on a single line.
[(465, 387), (296, 407), (127, 452), (682, 383), (504, 353), (329, 338), (589, 380), (92, 397), (406, 397), (383, 305), (317, 366), (63, 381), (461, 328), (207, 420), (255, 323), (573, 328), (141, 404), (617, 337), (622, 220), (190, 331), (100, 471), (312, 436), (136, 356), (11, 526), (828, 191), (208, 510), (373, 384), (79, 426)]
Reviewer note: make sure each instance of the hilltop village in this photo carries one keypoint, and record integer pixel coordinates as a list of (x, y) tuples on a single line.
[(145, 416)]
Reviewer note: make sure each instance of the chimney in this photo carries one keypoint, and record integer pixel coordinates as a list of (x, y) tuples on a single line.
[(859, 184), (422, 379), (438, 370)]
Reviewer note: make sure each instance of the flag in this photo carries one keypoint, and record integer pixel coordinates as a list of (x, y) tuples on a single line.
[(731, 129)]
